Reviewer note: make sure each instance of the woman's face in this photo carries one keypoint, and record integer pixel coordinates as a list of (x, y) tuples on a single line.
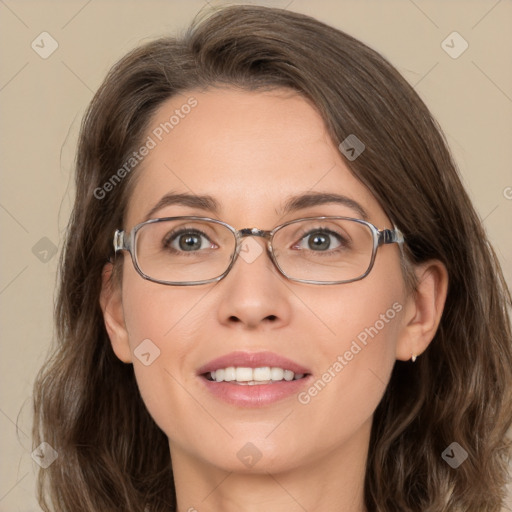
[(252, 152)]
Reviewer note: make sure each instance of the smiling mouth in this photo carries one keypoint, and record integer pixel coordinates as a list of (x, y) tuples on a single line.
[(245, 376)]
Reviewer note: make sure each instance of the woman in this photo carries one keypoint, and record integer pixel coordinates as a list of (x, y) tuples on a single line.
[(268, 231)]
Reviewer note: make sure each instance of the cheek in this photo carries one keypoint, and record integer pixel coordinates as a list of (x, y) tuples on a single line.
[(161, 332), (158, 312), (356, 355), (363, 318), (348, 333), (339, 403), (361, 322), (361, 348)]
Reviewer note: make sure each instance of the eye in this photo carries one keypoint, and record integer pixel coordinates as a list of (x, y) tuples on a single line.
[(187, 240), (320, 240)]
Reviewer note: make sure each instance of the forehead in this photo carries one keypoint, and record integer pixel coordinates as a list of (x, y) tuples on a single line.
[(249, 150)]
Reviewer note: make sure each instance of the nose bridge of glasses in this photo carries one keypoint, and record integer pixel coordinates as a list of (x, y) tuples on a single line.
[(253, 232), (245, 232)]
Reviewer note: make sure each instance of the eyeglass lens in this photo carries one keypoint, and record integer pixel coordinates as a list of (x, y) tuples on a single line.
[(196, 250)]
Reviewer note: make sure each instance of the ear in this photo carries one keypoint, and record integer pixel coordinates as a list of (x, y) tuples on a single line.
[(423, 310), (112, 306)]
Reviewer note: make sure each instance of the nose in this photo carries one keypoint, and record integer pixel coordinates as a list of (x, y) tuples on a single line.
[(253, 294)]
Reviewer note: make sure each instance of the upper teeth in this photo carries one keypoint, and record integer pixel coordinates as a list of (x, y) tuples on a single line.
[(252, 375)]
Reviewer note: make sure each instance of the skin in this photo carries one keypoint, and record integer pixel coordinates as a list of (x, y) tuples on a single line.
[(251, 151)]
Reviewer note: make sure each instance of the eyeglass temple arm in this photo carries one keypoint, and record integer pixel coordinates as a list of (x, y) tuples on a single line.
[(119, 241), (391, 236)]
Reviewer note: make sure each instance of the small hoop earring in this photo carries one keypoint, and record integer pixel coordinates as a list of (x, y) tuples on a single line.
[(414, 357)]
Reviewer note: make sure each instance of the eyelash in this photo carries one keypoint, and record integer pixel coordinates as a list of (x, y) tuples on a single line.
[(174, 234), (343, 241)]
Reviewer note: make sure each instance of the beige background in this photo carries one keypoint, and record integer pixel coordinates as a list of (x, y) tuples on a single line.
[(42, 101)]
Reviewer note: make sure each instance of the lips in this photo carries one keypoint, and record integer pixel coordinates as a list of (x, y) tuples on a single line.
[(252, 360), (254, 394)]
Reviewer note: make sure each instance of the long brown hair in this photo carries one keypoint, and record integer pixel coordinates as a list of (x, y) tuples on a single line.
[(112, 455)]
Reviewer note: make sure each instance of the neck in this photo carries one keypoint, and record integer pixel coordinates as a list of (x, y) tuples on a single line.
[(325, 482)]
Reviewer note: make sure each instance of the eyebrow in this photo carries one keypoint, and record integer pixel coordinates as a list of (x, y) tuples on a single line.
[(184, 199), (292, 204), (310, 199)]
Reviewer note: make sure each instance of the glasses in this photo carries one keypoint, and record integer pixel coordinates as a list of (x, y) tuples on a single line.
[(193, 250)]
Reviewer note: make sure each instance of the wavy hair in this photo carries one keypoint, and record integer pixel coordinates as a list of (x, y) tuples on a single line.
[(112, 455)]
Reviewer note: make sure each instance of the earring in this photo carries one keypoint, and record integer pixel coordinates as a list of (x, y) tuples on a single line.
[(413, 357)]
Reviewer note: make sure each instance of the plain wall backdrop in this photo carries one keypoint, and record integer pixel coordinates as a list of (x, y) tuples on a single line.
[(42, 101)]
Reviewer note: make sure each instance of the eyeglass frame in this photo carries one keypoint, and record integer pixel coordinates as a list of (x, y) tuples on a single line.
[(380, 237)]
